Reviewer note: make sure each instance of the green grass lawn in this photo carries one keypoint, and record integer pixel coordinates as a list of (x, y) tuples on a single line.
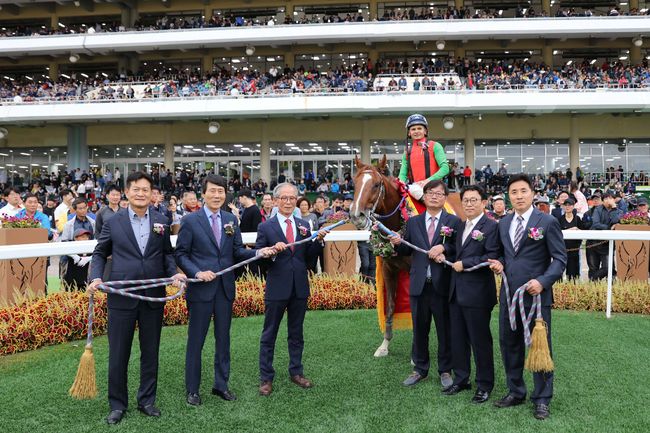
[(601, 384)]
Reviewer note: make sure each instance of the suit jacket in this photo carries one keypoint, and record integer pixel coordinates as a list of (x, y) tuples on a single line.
[(197, 250), (416, 233), (543, 259), (289, 269), (477, 288), (128, 263)]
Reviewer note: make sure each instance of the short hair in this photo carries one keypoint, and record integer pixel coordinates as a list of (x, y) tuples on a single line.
[(320, 197), (112, 188), (338, 197), (156, 188), (136, 176), (302, 199), (66, 192), (563, 192), (607, 194), (278, 188), (246, 193), (30, 195), (476, 188), (214, 179), (267, 193), (435, 184), (11, 189), (77, 201), (519, 177)]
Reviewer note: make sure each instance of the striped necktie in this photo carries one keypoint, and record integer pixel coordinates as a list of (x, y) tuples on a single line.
[(519, 233)]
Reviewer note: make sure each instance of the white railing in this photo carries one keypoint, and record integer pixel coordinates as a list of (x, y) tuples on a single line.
[(85, 247)]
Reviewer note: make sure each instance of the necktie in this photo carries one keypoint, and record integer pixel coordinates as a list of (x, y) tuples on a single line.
[(431, 231), (216, 228), (289, 233), (468, 230), (519, 233)]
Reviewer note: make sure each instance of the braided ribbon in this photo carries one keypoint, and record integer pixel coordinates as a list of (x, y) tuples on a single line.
[(518, 296), (116, 287)]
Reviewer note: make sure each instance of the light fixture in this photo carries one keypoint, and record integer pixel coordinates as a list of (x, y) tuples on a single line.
[(480, 116), (638, 41), (440, 45), (250, 50), (448, 122), (3, 133), (74, 58), (213, 127)]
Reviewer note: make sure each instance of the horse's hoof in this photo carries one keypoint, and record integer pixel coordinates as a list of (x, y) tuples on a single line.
[(381, 352)]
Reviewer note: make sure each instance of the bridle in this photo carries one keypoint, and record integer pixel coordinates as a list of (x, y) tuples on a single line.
[(382, 193)]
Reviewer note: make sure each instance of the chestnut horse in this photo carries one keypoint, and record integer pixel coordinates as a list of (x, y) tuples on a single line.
[(376, 194)]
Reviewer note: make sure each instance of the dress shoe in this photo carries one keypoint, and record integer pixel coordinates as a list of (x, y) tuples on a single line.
[(301, 381), (541, 411), (446, 380), (414, 378), (149, 410), (455, 389), (226, 395), (194, 399), (480, 396), (266, 388), (509, 401), (115, 416)]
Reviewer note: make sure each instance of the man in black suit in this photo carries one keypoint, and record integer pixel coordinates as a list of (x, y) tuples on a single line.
[(472, 296), (209, 241), (532, 253), (436, 231), (138, 240), (287, 285)]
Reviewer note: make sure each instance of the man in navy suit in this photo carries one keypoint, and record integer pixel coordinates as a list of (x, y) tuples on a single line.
[(287, 285), (472, 296), (209, 241), (138, 241), (533, 253), (429, 280)]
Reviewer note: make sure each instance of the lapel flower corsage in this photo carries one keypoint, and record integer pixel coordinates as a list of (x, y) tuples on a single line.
[(304, 231), (446, 232), (229, 229), (477, 235), (159, 229), (536, 233)]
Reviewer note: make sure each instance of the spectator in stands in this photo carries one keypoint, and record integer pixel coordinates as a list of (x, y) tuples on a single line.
[(76, 274), (571, 221), (498, 208), (603, 218), (14, 203), (190, 202), (267, 206), (31, 211), (251, 216), (113, 195), (559, 209), (581, 205), (467, 175), (62, 210), (79, 221), (306, 213)]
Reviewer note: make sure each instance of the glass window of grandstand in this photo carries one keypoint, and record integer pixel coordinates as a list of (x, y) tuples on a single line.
[(248, 17), (170, 20), (127, 158), (23, 27), (168, 69), (249, 64), (529, 156), (327, 61), (351, 12), (599, 158), (229, 160), (90, 71), (517, 9), (90, 24), (394, 150), (22, 166), (414, 62)]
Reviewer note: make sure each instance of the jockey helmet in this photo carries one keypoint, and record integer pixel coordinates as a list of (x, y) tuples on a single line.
[(416, 119)]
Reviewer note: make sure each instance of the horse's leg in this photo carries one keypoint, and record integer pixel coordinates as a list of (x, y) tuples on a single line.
[(389, 272)]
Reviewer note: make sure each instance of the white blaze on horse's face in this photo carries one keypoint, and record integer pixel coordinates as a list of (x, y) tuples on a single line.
[(355, 209)]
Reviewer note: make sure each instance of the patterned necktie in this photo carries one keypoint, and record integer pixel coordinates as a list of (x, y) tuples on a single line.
[(519, 233), (216, 228), (289, 233), (468, 230), (431, 231)]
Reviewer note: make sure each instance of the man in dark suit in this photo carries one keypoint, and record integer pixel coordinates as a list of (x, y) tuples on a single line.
[(472, 296), (209, 241), (533, 253), (138, 240), (429, 280), (287, 285)]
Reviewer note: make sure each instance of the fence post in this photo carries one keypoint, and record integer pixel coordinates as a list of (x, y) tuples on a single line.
[(610, 266)]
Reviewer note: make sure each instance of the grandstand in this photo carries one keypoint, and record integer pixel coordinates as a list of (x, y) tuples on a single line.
[(299, 86)]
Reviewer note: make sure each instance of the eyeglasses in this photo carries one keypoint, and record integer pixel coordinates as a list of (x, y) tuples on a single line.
[(471, 201), (435, 194), (288, 198)]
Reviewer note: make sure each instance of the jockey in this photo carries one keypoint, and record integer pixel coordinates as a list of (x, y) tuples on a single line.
[(424, 160)]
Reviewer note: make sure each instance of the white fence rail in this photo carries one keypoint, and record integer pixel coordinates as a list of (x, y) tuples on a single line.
[(81, 247)]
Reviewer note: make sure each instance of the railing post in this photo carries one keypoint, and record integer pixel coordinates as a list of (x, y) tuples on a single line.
[(610, 266)]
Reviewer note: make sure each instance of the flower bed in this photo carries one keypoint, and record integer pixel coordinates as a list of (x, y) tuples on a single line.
[(61, 317)]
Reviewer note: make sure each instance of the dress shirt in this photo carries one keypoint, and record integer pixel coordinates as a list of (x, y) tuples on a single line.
[(141, 228), (513, 224), (283, 224)]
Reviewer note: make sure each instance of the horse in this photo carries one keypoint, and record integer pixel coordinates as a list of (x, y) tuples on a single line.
[(377, 195)]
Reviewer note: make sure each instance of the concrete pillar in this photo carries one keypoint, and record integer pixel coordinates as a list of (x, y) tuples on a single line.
[(207, 63), (635, 55), (574, 146), (547, 55), (54, 22), (634, 4), (265, 154), (373, 10), (77, 148), (122, 64), (460, 4), (54, 71), (126, 17), (546, 7), (469, 145), (366, 154), (459, 52), (289, 59), (169, 147)]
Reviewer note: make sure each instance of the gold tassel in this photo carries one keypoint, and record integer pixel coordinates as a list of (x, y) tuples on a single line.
[(84, 386), (539, 356)]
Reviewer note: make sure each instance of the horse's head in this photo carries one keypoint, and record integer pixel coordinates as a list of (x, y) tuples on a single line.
[(369, 190)]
